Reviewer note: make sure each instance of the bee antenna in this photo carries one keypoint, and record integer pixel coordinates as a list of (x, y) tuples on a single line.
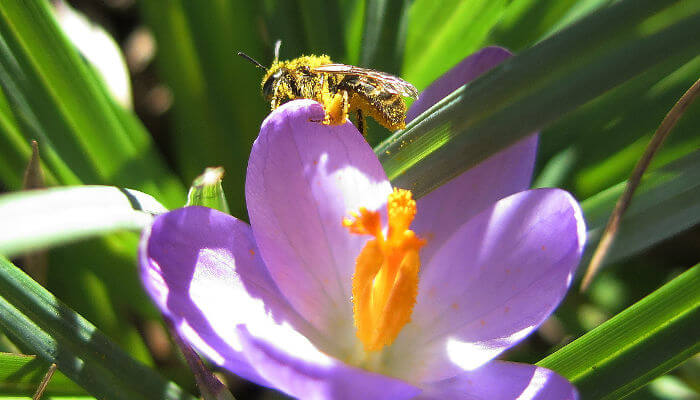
[(278, 44), (249, 58)]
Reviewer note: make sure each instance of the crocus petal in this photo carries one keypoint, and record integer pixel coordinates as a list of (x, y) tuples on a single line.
[(203, 270), (500, 380), (493, 282), (442, 211), (317, 376), (502, 174), (464, 72), (303, 178)]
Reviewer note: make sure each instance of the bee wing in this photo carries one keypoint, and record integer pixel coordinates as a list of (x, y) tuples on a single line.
[(388, 82)]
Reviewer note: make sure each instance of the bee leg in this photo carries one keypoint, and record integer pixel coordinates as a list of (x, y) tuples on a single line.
[(324, 87), (336, 109), (346, 106), (361, 123), (326, 99), (275, 98)]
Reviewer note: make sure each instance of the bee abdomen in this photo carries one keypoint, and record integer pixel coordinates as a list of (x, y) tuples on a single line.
[(385, 107)]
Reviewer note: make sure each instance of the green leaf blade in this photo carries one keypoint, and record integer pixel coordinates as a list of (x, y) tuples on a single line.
[(41, 324), (666, 203), (48, 217), (217, 108), (57, 99), (384, 34), (445, 31), (637, 345), (21, 374), (519, 96)]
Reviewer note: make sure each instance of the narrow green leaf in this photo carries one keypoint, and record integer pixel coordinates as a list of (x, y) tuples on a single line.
[(49, 398), (353, 13), (53, 95), (56, 99), (206, 190), (217, 107), (98, 278), (666, 203), (102, 52), (384, 34), (608, 135), (282, 22), (561, 15), (20, 375), (42, 218), (35, 319), (646, 340), (556, 169), (442, 33), (324, 27), (526, 21), (18, 149), (533, 89)]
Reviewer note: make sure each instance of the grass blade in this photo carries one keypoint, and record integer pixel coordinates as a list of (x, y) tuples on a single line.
[(646, 340), (37, 321), (384, 35), (666, 203), (623, 202), (217, 110), (42, 218), (446, 31), (324, 27), (21, 374), (56, 98), (533, 89)]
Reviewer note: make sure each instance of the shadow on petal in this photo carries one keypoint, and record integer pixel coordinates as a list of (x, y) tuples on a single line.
[(203, 270), (493, 282), (303, 178)]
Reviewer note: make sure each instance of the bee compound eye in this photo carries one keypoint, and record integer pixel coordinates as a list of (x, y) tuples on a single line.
[(270, 83)]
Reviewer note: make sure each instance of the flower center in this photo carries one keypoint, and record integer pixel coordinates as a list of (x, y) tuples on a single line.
[(385, 283)]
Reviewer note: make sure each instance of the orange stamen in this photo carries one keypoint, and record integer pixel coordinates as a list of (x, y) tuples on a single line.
[(385, 283)]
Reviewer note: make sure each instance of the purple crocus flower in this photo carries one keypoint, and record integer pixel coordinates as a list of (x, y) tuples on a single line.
[(280, 301)]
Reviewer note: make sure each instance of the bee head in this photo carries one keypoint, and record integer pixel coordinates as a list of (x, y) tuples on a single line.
[(272, 76)]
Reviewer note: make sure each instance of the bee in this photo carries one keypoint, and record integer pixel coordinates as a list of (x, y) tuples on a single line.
[(339, 88)]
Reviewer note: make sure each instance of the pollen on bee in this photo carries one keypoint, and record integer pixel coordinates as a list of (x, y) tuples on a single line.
[(340, 89)]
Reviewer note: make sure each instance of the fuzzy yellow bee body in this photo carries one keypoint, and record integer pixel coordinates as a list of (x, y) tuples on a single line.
[(340, 89)]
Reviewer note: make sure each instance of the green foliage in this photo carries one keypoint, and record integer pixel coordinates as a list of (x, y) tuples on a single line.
[(206, 191), (85, 211), (642, 342), (596, 77), (42, 325), (20, 374), (55, 98)]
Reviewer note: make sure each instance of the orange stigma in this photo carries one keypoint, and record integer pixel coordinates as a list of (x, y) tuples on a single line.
[(385, 283)]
